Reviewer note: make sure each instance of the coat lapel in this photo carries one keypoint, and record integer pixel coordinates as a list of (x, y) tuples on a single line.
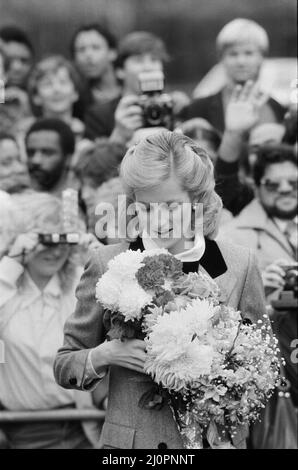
[(254, 217)]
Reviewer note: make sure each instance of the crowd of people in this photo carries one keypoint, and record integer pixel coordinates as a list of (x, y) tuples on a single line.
[(67, 125)]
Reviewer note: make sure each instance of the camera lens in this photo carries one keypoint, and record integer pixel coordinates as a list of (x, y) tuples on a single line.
[(154, 114)]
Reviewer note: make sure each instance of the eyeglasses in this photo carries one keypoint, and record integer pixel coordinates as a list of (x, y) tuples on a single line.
[(273, 186)]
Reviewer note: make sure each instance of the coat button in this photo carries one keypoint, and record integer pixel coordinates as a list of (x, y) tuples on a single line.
[(73, 381), (162, 445)]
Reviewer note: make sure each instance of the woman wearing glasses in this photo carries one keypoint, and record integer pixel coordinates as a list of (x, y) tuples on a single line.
[(37, 295)]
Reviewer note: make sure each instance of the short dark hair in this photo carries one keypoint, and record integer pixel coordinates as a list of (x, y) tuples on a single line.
[(138, 43), (4, 58), (66, 136), (200, 129), (16, 34), (7, 136), (100, 162), (290, 122), (101, 30), (269, 155)]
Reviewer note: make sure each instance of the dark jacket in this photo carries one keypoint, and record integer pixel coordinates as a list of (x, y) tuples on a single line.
[(99, 118), (235, 194)]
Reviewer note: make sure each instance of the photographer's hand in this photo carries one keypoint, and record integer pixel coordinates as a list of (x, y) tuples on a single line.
[(25, 247), (128, 118), (273, 276), (130, 353), (88, 242)]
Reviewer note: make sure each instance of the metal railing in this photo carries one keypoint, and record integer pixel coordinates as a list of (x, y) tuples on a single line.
[(51, 415)]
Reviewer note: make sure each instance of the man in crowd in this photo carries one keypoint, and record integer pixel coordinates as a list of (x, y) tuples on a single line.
[(93, 50), (269, 223), (19, 55), (137, 52), (241, 46), (50, 145)]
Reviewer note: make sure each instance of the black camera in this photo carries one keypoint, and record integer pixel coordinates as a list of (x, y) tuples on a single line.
[(291, 278), (157, 106), (52, 239), (288, 298)]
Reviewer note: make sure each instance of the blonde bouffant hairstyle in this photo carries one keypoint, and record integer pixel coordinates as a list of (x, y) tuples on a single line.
[(156, 157)]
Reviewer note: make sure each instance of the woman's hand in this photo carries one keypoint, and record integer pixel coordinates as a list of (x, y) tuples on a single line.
[(88, 241), (130, 353), (25, 247)]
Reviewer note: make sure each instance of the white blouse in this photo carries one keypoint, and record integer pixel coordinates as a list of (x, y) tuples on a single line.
[(31, 329)]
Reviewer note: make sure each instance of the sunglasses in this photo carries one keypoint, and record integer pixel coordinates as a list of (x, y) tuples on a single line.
[(273, 186)]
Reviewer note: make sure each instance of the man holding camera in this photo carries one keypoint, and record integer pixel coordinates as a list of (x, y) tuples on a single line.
[(269, 223), (139, 53)]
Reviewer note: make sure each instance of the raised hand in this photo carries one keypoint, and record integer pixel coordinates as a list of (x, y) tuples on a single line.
[(25, 247), (273, 276), (243, 109), (128, 118)]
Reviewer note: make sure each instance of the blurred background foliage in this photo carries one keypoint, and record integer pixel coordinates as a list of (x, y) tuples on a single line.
[(189, 27)]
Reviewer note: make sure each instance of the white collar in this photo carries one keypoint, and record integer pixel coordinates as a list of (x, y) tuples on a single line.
[(195, 253)]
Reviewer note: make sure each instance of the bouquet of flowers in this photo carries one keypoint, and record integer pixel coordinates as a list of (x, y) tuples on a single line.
[(214, 368)]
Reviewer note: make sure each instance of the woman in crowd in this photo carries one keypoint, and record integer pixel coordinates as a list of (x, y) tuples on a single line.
[(37, 285), (169, 169)]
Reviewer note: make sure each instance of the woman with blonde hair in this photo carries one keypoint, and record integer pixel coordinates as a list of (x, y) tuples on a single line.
[(37, 295), (161, 173)]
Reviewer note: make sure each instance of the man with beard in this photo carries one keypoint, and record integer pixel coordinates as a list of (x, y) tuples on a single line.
[(50, 144), (269, 223)]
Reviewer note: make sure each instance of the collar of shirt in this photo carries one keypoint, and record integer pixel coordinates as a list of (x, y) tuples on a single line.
[(283, 224), (194, 253), (52, 291)]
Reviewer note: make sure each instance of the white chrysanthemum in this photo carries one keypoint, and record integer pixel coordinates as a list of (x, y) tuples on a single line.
[(198, 314), (132, 298), (125, 265), (169, 337), (107, 291), (176, 357), (184, 371)]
